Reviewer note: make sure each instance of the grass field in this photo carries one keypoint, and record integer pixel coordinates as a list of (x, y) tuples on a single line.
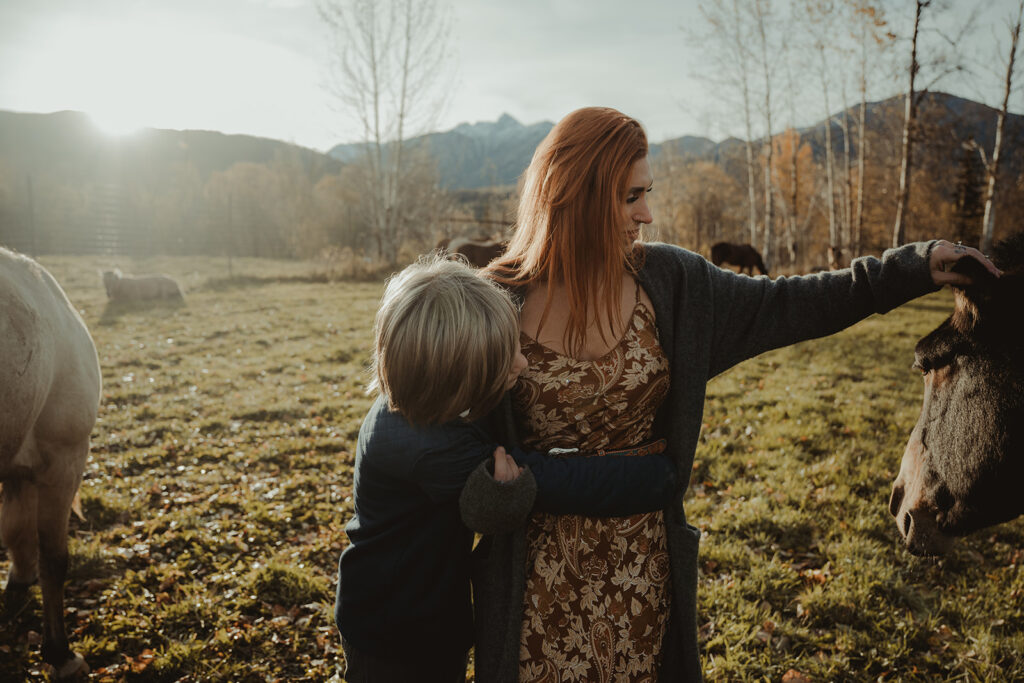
[(220, 482)]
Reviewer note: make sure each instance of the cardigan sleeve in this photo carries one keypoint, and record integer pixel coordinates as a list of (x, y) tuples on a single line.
[(751, 315), (606, 486)]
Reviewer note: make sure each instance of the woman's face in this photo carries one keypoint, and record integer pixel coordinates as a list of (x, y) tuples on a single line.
[(637, 211)]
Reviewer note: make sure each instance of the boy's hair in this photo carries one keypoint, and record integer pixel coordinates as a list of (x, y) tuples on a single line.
[(443, 342)]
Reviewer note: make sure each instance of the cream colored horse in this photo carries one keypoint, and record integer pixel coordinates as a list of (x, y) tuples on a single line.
[(49, 399), (140, 287)]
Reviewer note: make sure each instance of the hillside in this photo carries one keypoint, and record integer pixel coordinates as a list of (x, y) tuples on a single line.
[(67, 144), (469, 156)]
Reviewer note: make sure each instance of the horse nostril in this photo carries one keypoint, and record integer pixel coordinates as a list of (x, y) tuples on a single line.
[(908, 523), (895, 499)]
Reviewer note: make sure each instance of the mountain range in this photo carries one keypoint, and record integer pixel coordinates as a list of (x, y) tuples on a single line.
[(489, 154), (469, 156)]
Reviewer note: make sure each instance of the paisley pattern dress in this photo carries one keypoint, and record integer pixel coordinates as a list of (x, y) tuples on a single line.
[(597, 591)]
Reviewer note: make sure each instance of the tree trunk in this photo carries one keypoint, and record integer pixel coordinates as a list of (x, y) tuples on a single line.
[(793, 197), (834, 249), (899, 230), (858, 222), (992, 169), (845, 231), (766, 250)]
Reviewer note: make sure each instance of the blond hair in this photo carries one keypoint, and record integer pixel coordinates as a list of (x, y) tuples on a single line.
[(444, 339)]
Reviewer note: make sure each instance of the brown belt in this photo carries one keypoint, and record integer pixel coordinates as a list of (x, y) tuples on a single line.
[(650, 448)]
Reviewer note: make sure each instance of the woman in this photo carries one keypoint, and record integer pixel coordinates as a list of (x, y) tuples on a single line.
[(622, 338)]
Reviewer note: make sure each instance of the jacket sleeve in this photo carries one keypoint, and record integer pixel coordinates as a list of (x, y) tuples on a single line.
[(447, 456), (605, 486), (752, 315)]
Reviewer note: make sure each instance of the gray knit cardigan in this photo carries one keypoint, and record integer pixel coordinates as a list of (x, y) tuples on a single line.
[(708, 320)]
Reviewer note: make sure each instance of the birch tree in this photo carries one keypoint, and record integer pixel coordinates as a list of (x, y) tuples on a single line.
[(899, 229), (942, 62), (729, 40), (820, 16), (871, 37), (992, 167), (388, 72), (762, 16)]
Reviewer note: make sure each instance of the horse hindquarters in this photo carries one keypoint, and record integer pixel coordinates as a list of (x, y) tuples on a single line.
[(49, 400)]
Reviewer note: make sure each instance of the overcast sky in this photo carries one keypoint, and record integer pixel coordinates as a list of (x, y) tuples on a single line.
[(259, 66)]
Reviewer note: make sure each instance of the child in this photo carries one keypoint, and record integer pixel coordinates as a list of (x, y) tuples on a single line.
[(446, 351)]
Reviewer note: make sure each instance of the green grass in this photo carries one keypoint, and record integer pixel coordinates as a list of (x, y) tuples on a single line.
[(220, 482)]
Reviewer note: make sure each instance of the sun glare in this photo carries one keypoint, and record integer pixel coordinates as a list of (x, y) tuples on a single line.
[(115, 123)]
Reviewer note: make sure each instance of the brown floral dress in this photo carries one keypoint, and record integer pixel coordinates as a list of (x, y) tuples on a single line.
[(597, 593)]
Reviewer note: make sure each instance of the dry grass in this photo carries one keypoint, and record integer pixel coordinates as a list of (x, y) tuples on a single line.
[(220, 482)]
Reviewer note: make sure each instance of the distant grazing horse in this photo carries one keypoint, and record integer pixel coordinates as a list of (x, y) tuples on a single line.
[(123, 288), (963, 468), (478, 253), (742, 255), (49, 399)]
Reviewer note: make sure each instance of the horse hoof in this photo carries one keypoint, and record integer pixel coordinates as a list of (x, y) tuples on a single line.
[(75, 666)]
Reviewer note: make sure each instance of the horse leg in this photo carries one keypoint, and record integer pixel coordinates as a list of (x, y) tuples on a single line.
[(20, 535), (53, 561)]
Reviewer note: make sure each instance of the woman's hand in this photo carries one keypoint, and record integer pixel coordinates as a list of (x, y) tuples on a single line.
[(505, 468), (944, 255)]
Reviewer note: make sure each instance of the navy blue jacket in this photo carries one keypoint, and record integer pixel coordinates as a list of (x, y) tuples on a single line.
[(404, 578)]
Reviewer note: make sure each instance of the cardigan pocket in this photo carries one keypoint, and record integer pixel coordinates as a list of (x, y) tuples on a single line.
[(680, 652)]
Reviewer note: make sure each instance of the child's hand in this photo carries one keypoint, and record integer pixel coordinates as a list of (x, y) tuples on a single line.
[(505, 468)]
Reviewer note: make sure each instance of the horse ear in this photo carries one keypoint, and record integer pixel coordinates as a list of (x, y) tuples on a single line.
[(982, 281)]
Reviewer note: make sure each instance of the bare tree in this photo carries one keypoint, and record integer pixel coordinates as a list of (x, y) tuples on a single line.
[(869, 32), (820, 15), (390, 59), (729, 39), (992, 167), (899, 230), (945, 62), (790, 139), (762, 15)]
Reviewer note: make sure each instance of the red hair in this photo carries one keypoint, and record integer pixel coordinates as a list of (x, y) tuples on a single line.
[(571, 213)]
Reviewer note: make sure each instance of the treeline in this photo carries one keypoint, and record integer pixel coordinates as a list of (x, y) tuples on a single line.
[(704, 198), (64, 188), (769, 62), (175, 196)]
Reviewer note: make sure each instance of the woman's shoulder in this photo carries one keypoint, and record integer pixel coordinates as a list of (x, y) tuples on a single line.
[(659, 256)]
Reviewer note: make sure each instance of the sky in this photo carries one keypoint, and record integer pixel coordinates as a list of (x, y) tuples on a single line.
[(261, 67)]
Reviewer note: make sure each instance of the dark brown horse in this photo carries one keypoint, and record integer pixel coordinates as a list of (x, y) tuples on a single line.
[(963, 467), (742, 255), (477, 253)]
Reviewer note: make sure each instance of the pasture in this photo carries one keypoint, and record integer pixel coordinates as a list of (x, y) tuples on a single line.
[(219, 484)]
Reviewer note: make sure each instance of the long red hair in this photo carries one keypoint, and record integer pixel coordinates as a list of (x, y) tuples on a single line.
[(569, 225)]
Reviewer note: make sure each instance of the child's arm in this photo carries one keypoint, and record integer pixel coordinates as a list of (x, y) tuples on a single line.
[(606, 486)]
